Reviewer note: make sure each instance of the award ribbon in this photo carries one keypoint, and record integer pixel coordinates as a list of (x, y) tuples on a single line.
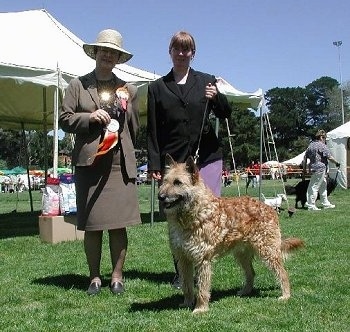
[(110, 138)]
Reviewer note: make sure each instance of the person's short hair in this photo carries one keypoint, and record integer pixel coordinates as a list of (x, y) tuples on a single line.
[(321, 133), (184, 40)]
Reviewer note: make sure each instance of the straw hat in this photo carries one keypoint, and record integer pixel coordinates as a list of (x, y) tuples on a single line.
[(111, 39)]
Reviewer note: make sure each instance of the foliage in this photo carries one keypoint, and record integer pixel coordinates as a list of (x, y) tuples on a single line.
[(44, 285), (141, 145), (245, 137), (296, 113), (10, 142)]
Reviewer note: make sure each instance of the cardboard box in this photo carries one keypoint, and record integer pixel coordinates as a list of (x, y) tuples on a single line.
[(58, 229)]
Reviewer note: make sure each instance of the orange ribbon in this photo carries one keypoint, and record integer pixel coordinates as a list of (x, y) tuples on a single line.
[(110, 139)]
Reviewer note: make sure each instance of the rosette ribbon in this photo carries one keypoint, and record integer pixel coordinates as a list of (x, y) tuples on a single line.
[(110, 139)]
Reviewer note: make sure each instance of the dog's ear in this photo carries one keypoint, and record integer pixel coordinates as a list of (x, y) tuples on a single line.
[(169, 161), (192, 168)]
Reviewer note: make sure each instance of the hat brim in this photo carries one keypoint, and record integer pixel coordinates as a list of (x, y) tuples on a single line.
[(89, 49)]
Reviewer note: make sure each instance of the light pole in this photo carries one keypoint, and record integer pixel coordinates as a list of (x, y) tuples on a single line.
[(338, 44)]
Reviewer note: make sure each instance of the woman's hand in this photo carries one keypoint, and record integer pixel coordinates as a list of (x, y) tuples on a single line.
[(211, 91), (156, 175), (100, 116)]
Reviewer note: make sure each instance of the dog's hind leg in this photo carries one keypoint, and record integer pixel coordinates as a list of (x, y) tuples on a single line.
[(204, 284), (244, 257), (274, 260), (185, 267)]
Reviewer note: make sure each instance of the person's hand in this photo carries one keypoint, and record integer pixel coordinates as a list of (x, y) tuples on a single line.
[(100, 116), (337, 164), (211, 91), (156, 175)]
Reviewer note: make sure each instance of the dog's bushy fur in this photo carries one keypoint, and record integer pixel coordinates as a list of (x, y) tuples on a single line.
[(300, 189), (202, 227)]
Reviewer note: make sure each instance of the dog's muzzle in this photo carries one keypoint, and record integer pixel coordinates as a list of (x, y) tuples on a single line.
[(169, 202)]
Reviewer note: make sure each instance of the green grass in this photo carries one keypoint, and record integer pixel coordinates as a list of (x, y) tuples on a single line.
[(43, 286)]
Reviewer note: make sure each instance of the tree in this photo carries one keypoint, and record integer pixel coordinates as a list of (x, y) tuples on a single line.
[(11, 147), (289, 116), (295, 114), (245, 130), (324, 103)]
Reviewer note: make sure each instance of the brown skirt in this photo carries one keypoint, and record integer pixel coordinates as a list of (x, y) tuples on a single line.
[(106, 197)]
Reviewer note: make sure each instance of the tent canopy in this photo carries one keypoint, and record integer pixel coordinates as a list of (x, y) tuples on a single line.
[(246, 99), (297, 160), (47, 57), (338, 141)]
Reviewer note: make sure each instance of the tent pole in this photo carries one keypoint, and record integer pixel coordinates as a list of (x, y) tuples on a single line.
[(27, 166), (45, 134), (261, 146), (55, 127)]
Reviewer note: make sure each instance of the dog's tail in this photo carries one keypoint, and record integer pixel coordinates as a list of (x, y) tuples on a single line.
[(290, 190), (290, 244)]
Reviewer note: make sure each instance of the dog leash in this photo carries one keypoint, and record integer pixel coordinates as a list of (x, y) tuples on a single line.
[(201, 132)]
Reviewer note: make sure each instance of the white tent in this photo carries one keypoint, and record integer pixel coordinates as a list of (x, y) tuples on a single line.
[(246, 99), (38, 58), (297, 160), (338, 141)]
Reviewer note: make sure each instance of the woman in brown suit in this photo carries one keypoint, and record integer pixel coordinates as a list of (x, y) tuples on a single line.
[(102, 111)]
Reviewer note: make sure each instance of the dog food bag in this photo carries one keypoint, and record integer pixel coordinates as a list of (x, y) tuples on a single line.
[(67, 195), (50, 201)]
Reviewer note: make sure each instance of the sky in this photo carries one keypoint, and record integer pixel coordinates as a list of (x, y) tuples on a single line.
[(252, 44)]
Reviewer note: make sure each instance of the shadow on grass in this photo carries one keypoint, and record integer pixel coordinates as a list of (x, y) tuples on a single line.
[(173, 302), (19, 224), (77, 281), (66, 281), (80, 282)]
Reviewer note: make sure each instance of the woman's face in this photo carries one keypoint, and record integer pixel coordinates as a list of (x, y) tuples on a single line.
[(106, 58), (181, 57)]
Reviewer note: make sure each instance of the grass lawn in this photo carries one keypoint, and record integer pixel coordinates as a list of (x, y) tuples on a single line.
[(43, 286)]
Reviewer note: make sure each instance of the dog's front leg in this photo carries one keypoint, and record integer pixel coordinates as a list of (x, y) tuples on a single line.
[(204, 284), (185, 267)]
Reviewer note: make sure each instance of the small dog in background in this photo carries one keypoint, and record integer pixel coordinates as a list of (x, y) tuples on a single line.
[(300, 189), (274, 202), (202, 226)]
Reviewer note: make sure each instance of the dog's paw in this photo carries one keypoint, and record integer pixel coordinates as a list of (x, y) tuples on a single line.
[(284, 298), (200, 310)]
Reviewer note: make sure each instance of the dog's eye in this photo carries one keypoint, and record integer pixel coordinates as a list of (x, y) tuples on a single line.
[(177, 182)]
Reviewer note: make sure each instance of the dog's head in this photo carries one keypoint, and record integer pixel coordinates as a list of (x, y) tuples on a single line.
[(177, 188)]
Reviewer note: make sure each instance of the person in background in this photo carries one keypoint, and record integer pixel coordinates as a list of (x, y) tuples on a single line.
[(319, 155), (102, 111), (251, 175), (179, 105)]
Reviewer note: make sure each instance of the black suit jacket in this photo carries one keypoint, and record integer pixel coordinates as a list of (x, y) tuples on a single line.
[(174, 120)]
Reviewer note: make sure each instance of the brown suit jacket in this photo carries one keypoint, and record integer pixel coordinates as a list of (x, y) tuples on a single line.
[(81, 99)]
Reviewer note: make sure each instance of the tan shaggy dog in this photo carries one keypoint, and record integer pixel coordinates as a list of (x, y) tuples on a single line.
[(202, 227)]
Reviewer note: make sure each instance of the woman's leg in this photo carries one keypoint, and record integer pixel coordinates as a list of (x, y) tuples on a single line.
[(118, 243), (93, 250)]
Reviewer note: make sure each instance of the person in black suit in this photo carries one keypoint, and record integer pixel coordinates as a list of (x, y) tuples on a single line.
[(178, 109)]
